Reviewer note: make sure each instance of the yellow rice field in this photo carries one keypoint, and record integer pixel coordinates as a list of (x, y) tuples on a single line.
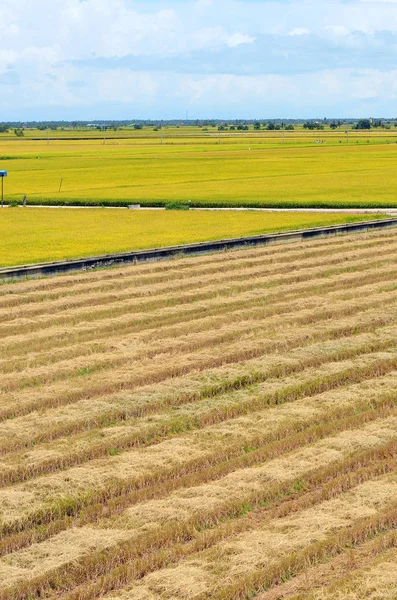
[(216, 428), (233, 169), (32, 235)]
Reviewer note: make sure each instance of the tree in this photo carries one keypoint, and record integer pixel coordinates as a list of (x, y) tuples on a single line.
[(19, 132), (334, 125), (257, 126), (3, 129), (289, 127), (312, 125), (363, 124), (271, 127)]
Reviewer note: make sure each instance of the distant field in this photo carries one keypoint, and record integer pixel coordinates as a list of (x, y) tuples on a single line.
[(236, 169), (174, 131), (216, 428), (30, 235)]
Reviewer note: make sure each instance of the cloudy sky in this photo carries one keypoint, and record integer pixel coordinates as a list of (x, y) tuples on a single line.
[(110, 59)]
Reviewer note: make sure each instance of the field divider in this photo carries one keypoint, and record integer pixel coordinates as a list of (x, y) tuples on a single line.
[(111, 282), (56, 267), (241, 271), (134, 558), (235, 286)]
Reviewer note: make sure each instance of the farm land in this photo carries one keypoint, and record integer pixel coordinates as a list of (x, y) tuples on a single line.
[(32, 235), (187, 164), (215, 428)]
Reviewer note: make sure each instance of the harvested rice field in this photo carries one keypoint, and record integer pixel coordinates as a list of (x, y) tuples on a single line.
[(216, 428)]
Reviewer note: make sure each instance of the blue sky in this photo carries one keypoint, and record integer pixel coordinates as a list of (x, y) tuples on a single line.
[(116, 59)]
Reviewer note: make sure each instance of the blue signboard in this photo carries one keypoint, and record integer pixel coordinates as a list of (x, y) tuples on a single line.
[(3, 173)]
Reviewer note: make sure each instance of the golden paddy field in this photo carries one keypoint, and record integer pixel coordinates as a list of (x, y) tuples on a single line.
[(234, 169), (216, 428), (31, 235)]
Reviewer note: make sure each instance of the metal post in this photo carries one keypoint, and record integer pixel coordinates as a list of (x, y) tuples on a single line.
[(2, 175)]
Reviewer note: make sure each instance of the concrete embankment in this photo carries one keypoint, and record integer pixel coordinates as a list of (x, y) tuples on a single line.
[(156, 254)]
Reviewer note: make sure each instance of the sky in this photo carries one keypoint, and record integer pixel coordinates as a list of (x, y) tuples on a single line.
[(225, 59)]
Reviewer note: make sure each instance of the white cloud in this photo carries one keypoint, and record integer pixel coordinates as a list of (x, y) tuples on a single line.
[(338, 30), (299, 31), (7, 57), (160, 94), (48, 46), (237, 39)]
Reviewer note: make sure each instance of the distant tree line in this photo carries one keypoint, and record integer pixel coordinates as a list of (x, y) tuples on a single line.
[(271, 126), (205, 124), (376, 123), (313, 125)]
